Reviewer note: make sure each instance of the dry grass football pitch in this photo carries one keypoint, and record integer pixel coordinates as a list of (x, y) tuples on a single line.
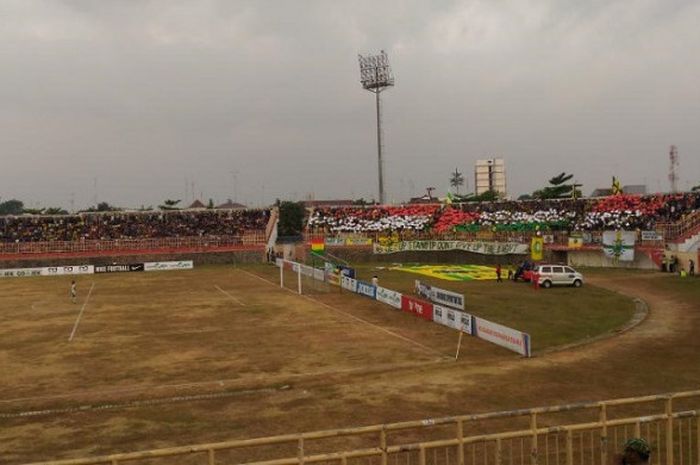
[(219, 352), (218, 325)]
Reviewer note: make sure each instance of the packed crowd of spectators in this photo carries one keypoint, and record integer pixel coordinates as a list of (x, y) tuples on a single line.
[(128, 225), (614, 212), (374, 219)]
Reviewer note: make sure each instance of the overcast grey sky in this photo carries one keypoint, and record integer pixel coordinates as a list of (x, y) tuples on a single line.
[(144, 94)]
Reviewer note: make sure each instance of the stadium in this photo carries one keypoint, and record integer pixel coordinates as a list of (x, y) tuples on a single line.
[(461, 329)]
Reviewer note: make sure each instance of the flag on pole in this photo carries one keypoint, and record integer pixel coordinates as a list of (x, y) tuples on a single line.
[(619, 245), (537, 248), (318, 245), (616, 187)]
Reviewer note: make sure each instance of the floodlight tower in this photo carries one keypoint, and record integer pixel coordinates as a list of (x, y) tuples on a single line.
[(376, 76), (672, 171)]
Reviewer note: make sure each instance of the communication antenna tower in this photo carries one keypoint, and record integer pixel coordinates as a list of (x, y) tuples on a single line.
[(673, 168)]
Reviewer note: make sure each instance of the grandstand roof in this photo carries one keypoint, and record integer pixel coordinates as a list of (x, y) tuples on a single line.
[(197, 204)]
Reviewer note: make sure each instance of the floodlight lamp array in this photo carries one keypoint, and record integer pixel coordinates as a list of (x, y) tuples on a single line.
[(375, 71)]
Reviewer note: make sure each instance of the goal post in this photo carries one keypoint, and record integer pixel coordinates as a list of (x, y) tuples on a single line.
[(300, 278)]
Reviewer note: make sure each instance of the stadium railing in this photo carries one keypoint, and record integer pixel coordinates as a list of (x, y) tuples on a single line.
[(580, 433), (189, 243)]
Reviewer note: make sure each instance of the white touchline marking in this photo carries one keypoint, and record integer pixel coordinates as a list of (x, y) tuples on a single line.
[(77, 320), (238, 301), (380, 328)]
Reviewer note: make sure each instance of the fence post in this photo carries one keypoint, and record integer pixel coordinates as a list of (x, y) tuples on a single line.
[(569, 447), (421, 455), (669, 431), (460, 437), (604, 434), (533, 446), (301, 450), (499, 452), (211, 456), (382, 446)]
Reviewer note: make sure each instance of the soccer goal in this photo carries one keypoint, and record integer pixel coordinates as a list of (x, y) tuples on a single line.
[(301, 278)]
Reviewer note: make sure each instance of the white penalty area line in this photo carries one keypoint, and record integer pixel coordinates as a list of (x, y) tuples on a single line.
[(77, 320), (349, 315), (235, 299)]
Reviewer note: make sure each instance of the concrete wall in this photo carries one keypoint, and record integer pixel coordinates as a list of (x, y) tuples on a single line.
[(596, 258), (198, 258)]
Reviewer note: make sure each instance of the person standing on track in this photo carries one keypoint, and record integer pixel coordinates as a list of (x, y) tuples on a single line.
[(73, 292), (498, 274)]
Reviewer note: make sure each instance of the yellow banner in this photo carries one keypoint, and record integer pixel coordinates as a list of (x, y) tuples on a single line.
[(537, 249), (575, 242)]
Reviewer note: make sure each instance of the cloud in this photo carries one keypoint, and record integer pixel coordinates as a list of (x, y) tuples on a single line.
[(142, 95)]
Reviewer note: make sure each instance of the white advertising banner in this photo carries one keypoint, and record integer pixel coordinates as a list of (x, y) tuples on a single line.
[(439, 296), (279, 262), (168, 266), (349, 283), (452, 318), (67, 270), (319, 275), (511, 339), (20, 272), (389, 297), (652, 236), (307, 271)]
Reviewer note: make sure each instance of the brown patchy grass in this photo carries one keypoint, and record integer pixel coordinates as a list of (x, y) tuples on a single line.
[(147, 336)]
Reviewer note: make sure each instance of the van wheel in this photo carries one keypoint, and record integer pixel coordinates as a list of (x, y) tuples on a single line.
[(547, 284), (578, 283)]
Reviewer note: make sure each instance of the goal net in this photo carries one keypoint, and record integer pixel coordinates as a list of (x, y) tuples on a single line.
[(301, 278)]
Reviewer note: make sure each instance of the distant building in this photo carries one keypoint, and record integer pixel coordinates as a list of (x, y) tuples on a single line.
[(602, 192), (425, 198), (231, 205), (635, 189), (196, 205), (632, 189), (490, 175)]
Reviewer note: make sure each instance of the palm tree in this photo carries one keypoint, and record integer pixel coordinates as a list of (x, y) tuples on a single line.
[(456, 180)]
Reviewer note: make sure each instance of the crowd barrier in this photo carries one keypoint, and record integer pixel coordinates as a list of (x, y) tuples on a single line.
[(572, 434), (439, 306), (91, 269)]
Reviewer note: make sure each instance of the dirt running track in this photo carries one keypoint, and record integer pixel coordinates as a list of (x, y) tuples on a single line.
[(661, 354)]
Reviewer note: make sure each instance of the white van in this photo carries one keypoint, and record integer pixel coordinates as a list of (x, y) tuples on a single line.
[(558, 275)]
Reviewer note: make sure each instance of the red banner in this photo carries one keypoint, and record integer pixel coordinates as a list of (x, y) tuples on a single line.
[(419, 308)]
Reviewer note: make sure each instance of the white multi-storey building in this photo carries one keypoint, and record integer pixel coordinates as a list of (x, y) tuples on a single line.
[(490, 175)]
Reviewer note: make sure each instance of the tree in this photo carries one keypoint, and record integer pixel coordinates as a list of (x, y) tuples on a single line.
[(102, 207), (291, 218), (696, 188), (456, 180), (487, 196), (525, 197), (169, 204), (11, 207), (55, 211), (210, 205), (558, 188)]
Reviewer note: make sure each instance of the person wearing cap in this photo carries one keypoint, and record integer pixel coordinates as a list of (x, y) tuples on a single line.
[(637, 451)]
